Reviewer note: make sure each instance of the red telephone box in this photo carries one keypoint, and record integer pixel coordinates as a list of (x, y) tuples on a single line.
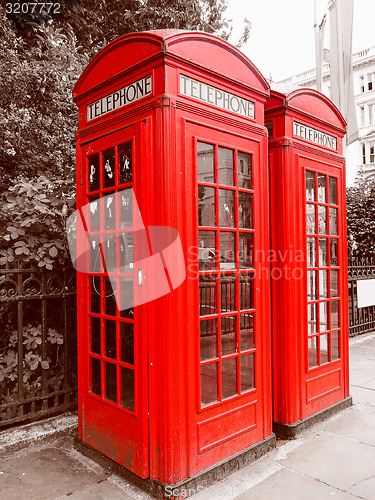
[(309, 259), (174, 327)]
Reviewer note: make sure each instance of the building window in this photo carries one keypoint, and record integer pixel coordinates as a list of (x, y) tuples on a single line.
[(364, 154), (362, 112), (362, 83), (371, 114), (371, 81), (372, 152)]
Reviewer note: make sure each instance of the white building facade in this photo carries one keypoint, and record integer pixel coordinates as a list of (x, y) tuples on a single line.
[(360, 157)]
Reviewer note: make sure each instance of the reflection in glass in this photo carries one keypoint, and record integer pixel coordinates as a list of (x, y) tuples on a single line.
[(96, 376), (322, 194), (95, 294), (110, 253), (227, 250), (228, 295), (226, 208), (110, 296), (310, 186), (310, 219), (246, 260), (323, 284), (229, 377), (207, 253), (127, 299), (335, 345), (323, 310), (246, 291), (126, 207), (334, 283), (208, 339), (96, 335), (93, 171), (323, 252), (311, 252), (228, 335), (110, 339), (109, 177), (94, 213), (226, 171), (311, 285), (209, 392), (247, 332), (206, 206), (207, 295), (247, 372), (206, 156), (125, 162), (126, 252), (322, 219), (245, 210), (333, 221), (333, 190), (109, 203), (127, 342), (335, 320), (324, 349), (127, 388), (334, 252), (244, 170), (313, 351), (312, 318), (95, 254)]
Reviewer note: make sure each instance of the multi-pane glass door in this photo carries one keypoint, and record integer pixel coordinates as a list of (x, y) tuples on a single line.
[(226, 272)]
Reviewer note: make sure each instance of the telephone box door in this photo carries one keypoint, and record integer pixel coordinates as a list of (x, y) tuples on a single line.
[(113, 340)]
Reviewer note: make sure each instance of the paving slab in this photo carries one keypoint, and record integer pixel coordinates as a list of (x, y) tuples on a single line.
[(364, 489), (353, 424), (370, 384), (287, 485), (335, 460), (101, 491), (360, 377), (362, 395)]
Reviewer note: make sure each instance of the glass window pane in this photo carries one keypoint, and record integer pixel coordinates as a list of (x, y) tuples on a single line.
[(206, 159), (93, 170), (209, 393), (324, 349), (247, 332), (335, 320), (311, 252), (227, 250), (207, 295), (207, 250), (226, 208), (95, 294), (310, 186), (109, 245), (208, 339), (323, 284), (313, 351), (96, 335), (110, 339), (311, 285), (323, 252), (323, 310), (312, 318), (96, 376), (109, 206), (335, 345), (245, 210), (333, 190), (226, 170), (229, 377), (110, 296), (322, 193), (206, 206), (109, 170), (310, 219), (126, 208), (228, 292), (111, 382), (322, 219), (126, 305), (94, 213), (246, 291), (333, 221), (95, 254), (127, 342), (246, 251), (126, 248), (334, 252), (228, 335), (244, 162), (247, 372), (334, 283), (127, 388), (125, 162)]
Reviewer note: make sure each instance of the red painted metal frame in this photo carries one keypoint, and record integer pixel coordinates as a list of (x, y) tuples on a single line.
[(300, 391), (183, 439)]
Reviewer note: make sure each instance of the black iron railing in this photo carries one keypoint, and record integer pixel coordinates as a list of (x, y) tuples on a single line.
[(361, 320)]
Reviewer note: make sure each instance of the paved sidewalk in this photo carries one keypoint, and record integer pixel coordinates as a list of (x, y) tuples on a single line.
[(335, 459)]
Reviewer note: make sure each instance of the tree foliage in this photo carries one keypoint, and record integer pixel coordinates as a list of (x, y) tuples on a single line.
[(361, 218)]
